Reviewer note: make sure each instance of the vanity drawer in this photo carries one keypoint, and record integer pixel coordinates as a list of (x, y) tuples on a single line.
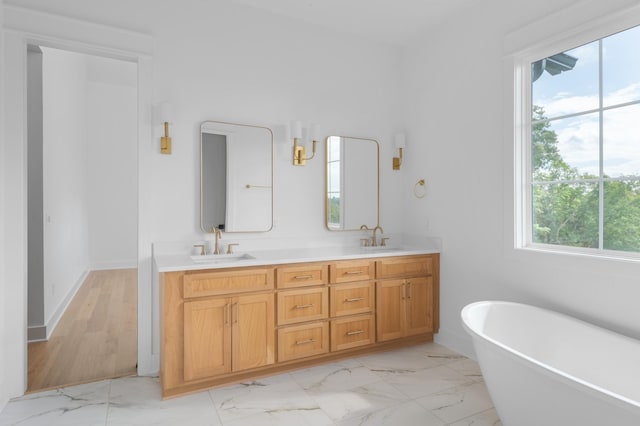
[(211, 283), (352, 332), (402, 267), (303, 340), (352, 298), (351, 270), (307, 304), (302, 276)]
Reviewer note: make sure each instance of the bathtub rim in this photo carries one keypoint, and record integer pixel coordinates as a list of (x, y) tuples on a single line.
[(623, 401)]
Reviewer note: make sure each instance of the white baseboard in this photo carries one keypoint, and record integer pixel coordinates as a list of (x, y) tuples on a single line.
[(55, 318), (120, 264), (456, 342), (149, 365)]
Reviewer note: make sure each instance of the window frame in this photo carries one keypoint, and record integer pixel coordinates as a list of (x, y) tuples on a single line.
[(519, 64)]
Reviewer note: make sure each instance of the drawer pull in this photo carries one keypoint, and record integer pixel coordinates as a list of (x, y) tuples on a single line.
[(303, 277), (353, 333), (354, 299), (305, 342), (353, 272), (310, 305)]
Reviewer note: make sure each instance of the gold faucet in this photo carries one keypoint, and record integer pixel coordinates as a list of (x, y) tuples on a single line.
[(374, 243), (216, 232), (365, 240), (218, 235)]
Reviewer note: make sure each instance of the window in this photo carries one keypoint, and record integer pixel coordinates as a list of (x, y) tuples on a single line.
[(582, 180)]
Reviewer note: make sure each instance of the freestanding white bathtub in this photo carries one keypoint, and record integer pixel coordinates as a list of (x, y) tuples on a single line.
[(543, 368)]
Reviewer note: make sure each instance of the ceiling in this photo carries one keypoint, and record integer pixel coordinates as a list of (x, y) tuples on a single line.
[(390, 21)]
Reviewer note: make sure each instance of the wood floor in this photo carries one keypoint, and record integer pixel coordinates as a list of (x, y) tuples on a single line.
[(96, 337)]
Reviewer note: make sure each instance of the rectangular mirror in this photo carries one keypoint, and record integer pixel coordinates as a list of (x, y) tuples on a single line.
[(236, 177), (352, 183)]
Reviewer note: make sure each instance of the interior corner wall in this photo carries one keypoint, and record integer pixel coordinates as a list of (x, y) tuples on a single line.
[(454, 86), (66, 259)]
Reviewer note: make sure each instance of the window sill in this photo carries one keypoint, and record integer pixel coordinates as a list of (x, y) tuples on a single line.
[(582, 252)]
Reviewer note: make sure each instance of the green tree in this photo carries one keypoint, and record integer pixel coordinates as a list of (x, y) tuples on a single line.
[(566, 203)]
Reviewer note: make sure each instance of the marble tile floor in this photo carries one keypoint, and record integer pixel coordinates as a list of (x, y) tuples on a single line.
[(426, 385)]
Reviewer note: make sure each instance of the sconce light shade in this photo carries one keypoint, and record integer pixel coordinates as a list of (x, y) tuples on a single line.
[(165, 113), (296, 130), (400, 142)]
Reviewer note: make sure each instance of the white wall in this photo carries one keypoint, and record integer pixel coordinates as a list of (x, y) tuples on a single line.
[(112, 177), (66, 232), (454, 85), (237, 64)]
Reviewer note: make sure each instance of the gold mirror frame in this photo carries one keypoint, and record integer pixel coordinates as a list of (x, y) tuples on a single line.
[(356, 162), (235, 132)]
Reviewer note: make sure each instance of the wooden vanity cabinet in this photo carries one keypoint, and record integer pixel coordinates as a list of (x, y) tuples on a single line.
[(406, 297), (225, 325), (204, 336)]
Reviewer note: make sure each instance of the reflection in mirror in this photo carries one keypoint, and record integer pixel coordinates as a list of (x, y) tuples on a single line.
[(352, 183), (236, 177)]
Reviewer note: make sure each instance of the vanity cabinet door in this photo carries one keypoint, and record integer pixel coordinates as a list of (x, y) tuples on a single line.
[(253, 336), (419, 302), (405, 307), (207, 338), (390, 309), (228, 334)]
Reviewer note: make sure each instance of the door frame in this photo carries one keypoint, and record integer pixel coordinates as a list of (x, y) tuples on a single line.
[(21, 27)]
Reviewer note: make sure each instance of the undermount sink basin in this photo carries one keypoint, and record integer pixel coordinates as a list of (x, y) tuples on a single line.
[(221, 258)]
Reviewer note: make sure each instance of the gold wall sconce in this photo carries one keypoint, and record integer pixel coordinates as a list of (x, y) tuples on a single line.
[(299, 151), (399, 143), (165, 112)]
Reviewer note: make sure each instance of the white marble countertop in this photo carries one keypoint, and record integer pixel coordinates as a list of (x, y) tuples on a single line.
[(184, 262)]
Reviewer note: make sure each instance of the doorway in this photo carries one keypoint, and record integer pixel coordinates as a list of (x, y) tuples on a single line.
[(82, 217)]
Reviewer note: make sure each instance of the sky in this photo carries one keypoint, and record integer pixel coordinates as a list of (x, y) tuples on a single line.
[(577, 90)]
